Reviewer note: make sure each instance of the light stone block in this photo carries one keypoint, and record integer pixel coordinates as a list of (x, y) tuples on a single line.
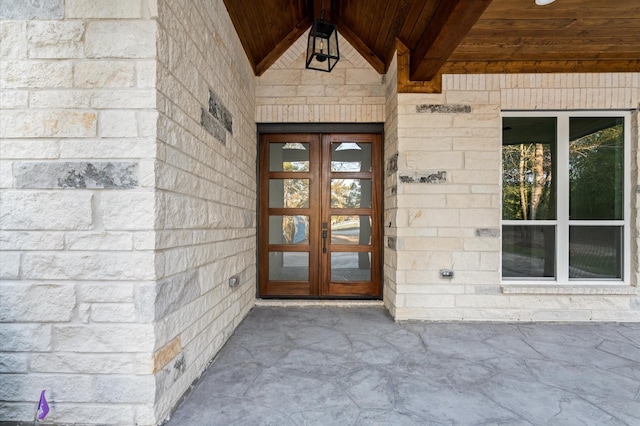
[(119, 99), (130, 210), (117, 266), (146, 74), (35, 74), (47, 124), (60, 99), (13, 39), (37, 302), (60, 387), (110, 312), (89, 363), (91, 9), (482, 161), (55, 39), (118, 124), (480, 218), (106, 292), (11, 240), (13, 363), (420, 160), (131, 389), (6, 174), (26, 210), (104, 338), (101, 74), (29, 149), (120, 39), (107, 148), (25, 337), (104, 241), (9, 267), (14, 99)]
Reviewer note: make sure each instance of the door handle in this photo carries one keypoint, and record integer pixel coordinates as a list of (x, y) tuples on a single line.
[(325, 233)]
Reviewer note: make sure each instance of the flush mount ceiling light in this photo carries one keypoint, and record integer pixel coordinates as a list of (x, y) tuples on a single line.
[(322, 45), (544, 2)]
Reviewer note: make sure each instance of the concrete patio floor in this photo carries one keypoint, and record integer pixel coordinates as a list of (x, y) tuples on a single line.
[(356, 366)]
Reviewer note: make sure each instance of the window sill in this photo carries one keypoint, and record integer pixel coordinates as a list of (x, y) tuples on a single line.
[(568, 289)]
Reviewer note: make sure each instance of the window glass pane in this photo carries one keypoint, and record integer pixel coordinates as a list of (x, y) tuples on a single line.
[(350, 266), (289, 229), (287, 266), (350, 229), (528, 251), (595, 252), (290, 193), (350, 157), (528, 168), (289, 157), (350, 193), (596, 168)]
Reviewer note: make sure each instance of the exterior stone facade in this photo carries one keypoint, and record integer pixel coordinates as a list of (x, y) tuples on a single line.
[(121, 218), (128, 196)]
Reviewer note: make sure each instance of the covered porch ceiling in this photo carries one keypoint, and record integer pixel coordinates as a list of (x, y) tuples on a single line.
[(436, 37)]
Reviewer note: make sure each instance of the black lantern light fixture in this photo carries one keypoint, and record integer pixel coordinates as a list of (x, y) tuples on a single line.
[(322, 46)]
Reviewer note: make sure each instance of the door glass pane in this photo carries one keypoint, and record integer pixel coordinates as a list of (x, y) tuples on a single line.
[(350, 266), (528, 251), (595, 252), (350, 157), (350, 193), (351, 230), (528, 168), (289, 229), (290, 193), (289, 157), (288, 266), (596, 168)]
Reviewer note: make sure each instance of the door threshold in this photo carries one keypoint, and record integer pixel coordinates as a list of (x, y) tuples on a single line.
[(298, 303)]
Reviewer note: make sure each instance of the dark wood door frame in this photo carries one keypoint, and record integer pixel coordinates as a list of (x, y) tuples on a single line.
[(315, 237)]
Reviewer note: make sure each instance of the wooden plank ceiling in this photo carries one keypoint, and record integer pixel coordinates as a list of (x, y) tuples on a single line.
[(454, 36)]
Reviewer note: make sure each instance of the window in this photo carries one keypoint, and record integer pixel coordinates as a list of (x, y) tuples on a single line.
[(565, 206)]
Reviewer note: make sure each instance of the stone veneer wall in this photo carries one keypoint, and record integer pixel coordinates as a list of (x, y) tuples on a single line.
[(449, 199), (127, 178), (206, 184), (352, 92), (77, 149)]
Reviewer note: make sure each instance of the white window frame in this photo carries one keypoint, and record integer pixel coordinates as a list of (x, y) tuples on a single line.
[(562, 221)]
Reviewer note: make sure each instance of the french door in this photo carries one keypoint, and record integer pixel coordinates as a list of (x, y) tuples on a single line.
[(319, 219)]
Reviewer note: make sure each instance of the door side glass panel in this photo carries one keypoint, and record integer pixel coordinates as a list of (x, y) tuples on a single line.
[(350, 157), (289, 157), (350, 193), (288, 266), (289, 229), (528, 251), (289, 193), (595, 252), (528, 168), (596, 168), (350, 266)]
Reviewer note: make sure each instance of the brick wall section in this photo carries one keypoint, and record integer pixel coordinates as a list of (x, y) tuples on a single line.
[(78, 142), (206, 185), (352, 92), (448, 200)]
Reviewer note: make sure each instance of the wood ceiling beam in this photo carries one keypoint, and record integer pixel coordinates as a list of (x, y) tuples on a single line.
[(282, 46), (357, 43), (545, 66), (451, 22), (405, 85)]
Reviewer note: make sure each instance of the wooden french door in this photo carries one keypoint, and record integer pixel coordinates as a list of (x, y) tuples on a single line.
[(319, 219)]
